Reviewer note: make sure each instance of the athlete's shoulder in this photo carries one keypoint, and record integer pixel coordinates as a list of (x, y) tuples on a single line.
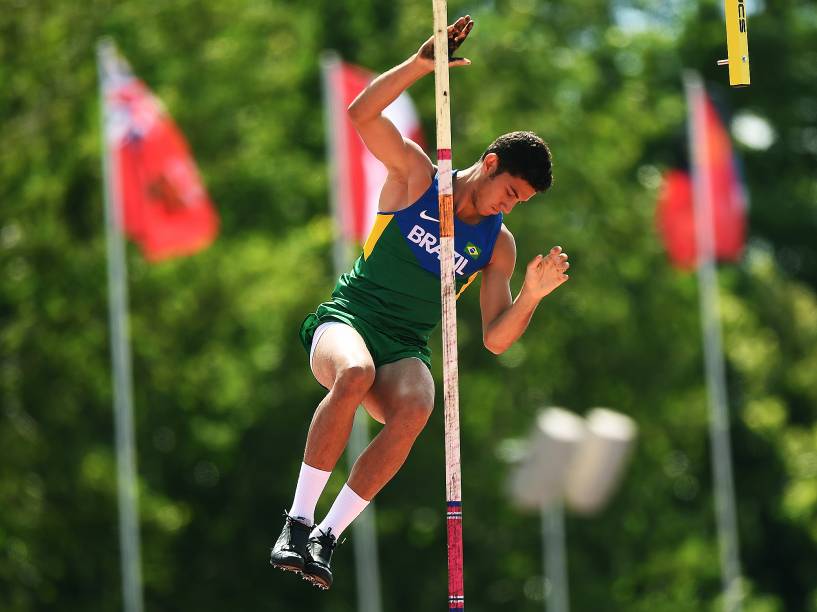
[(419, 168), (505, 238), (401, 189), (416, 156), (504, 249)]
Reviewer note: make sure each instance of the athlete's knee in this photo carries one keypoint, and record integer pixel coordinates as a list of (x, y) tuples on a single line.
[(355, 379), (412, 412)]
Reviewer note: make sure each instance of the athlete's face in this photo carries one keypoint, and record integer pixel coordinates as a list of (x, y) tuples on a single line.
[(500, 192)]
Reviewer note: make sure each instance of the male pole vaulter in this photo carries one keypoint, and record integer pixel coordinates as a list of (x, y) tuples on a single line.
[(369, 344)]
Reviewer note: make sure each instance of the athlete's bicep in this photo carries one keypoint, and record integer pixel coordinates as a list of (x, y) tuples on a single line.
[(400, 156), (495, 290)]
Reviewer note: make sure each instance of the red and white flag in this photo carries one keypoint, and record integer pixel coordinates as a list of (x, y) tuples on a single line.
[(676, 212), (156, 186), (358, 174)]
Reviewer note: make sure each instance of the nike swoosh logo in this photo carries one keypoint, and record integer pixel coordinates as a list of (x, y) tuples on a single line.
[(425, 215)]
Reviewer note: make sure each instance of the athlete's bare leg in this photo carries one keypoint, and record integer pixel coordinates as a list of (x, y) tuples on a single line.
[(342, 364), (399, 394), (402, 398)]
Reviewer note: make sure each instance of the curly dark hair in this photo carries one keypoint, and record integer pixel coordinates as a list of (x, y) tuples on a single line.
[(524, 155)]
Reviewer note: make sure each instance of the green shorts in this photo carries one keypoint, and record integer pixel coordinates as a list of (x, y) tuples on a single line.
[(382, 347)]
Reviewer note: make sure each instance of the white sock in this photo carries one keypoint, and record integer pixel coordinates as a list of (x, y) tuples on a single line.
[(311, 482), (348, 505)]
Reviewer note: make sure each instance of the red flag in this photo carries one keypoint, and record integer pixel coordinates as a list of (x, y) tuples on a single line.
[(165, 207), (676, 214), (359, 175)]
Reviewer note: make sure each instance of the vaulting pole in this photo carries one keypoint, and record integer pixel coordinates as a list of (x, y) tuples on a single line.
[(456, 596)]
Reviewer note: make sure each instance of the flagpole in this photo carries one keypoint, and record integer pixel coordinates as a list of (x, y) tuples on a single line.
[(553, 537), (367, 571), (725, 512), (127, 495), (336, 141)]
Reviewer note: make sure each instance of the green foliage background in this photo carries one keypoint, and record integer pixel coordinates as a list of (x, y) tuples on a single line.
[(223, 394)]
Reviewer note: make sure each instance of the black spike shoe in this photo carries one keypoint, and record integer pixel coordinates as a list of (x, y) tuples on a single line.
[(319, 551), (289, 552)]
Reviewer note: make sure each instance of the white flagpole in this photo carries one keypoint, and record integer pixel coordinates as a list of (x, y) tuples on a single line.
[(364, 539), (553, 536), (335, 141), (726, 515), (130, 556)]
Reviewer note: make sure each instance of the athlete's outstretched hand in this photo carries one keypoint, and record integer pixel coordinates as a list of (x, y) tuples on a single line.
[(546, 272), (457, 33)]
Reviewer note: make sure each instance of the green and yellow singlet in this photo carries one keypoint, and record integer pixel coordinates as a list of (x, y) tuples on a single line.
[(392, 294)]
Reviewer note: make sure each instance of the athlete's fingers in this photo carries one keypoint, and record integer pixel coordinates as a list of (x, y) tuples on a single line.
[(554, 259), (466, 29), (459, 61), (453, 32), (457, 33), (460, 22)]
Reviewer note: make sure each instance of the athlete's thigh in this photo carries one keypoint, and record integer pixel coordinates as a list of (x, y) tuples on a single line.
[(338, 348), (406, 380)]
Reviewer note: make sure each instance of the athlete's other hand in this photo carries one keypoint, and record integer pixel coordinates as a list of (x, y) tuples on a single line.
[(546, 272), (457, 33)]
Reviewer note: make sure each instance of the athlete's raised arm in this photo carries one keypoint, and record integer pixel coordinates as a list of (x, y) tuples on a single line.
[(378, 133)]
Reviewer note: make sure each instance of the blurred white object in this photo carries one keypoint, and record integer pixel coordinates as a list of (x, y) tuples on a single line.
[(539, 479), (599, 464), (575, 459)]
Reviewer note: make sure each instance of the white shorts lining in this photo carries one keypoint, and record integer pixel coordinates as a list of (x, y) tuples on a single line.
[(319, 331)]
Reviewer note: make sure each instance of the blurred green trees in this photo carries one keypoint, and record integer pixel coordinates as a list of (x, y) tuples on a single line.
[(223, 393)]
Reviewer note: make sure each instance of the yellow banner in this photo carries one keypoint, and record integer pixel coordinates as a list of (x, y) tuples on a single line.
[(737, 42)]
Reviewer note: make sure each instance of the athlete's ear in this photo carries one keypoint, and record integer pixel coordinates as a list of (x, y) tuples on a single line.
[(490, 163)]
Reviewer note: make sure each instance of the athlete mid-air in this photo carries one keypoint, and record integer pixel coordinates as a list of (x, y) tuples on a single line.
[(369, 343)]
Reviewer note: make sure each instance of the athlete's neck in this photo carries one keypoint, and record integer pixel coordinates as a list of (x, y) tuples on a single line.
[(465, 190)]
